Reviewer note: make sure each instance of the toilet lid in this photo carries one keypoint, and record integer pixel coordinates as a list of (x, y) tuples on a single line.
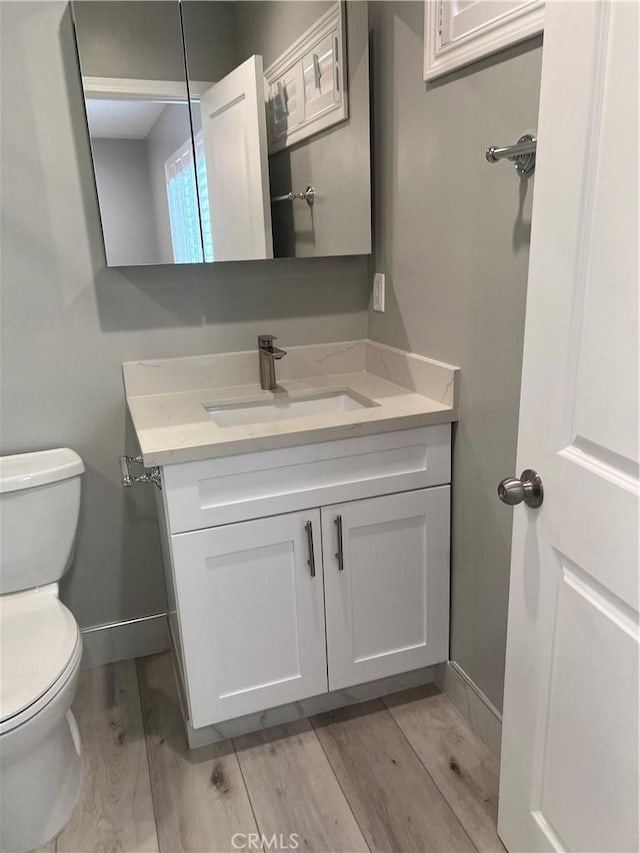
[(38, 637)]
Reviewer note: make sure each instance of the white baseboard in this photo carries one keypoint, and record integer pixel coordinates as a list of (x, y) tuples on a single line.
[(122, 640), (481, 715)]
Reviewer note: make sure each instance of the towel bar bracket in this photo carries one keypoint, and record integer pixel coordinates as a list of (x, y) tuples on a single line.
[(309, 195), (522, 154)]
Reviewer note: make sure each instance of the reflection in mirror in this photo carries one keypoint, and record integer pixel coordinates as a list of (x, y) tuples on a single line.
[(281, 128), (132, 65), (230, 128), (263, 153)]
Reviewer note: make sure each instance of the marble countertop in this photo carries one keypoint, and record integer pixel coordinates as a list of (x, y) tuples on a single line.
[(173, 425)]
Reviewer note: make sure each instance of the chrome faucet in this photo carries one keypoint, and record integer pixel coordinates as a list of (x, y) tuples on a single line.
[(268, 355)]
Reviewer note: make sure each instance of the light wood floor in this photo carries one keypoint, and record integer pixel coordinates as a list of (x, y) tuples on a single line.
[(403, 774)]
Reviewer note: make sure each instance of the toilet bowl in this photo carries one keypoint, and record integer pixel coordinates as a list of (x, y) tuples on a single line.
[(40, 648)]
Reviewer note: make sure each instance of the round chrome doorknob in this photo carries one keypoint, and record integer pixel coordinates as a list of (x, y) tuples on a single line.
[(528, 489)]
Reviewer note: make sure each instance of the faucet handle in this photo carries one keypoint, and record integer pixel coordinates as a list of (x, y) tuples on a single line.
[(266, 341)]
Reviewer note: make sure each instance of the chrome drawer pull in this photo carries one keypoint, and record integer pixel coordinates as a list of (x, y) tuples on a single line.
[(340, 554), (311, 561)]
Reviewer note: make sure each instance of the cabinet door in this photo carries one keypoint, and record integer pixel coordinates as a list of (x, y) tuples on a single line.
[(234, 127), (251, 615), (388, 606)]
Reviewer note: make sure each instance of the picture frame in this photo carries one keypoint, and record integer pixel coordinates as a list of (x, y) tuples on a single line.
[(457, 33), (290, 81)]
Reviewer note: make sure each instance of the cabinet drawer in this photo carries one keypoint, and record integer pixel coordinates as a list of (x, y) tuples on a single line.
[(254, 485)]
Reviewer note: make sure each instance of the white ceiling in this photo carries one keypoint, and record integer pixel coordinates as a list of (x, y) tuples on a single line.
[(120, 119)]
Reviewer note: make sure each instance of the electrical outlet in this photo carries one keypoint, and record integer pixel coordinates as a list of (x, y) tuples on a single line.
[(378, 291)]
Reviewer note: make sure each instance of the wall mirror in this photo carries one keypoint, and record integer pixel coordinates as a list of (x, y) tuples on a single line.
[(224, 131)]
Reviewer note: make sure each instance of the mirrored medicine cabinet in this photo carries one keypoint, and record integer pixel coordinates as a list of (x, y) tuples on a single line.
[(225, 131)]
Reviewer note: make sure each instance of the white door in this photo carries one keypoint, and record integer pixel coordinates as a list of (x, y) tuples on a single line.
[(386, 585), (251, 609), (234, 126), (569, 775)]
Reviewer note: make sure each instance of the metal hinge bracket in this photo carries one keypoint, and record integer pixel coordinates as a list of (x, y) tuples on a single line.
[(147, 476)]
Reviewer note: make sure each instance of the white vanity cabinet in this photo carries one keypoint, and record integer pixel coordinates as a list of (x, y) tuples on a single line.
[(292, 573)]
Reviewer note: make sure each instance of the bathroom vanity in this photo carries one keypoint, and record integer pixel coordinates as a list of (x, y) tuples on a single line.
[(305, 532)]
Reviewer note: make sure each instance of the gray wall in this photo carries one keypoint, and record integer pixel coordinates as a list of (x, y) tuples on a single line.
[(68, 322), (130, 38), (142, 38), (452, 236), (124, 182), (269, 27), (210, 38)]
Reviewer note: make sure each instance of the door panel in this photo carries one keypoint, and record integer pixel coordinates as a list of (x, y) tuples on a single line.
[(252, 615), (578, 768), (571, 678), (387, 609), (234, 125)]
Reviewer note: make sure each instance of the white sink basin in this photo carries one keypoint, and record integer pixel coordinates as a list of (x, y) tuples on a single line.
[(283, 407)]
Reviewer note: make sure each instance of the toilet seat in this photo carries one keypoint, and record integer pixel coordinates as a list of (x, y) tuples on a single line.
[(40, 651)]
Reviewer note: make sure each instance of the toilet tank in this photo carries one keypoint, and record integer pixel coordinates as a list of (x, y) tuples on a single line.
[(39, 507)]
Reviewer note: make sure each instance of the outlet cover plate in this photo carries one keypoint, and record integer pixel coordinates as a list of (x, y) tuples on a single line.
[(378, 291)]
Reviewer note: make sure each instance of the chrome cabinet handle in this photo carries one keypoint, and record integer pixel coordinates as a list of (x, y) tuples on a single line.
[(528, 488), (312, 560), (340, 553)]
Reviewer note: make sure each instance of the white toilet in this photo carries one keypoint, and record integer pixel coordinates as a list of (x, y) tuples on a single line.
[(40, 648)]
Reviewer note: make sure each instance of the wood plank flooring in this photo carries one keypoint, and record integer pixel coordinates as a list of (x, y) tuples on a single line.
[(395, 801), (199, 795), (294, 790), (461, 766), (402, 774), (115, 810)]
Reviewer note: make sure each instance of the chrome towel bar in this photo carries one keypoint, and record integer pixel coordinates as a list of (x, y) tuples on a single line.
[(522, 154), (309, 195)]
